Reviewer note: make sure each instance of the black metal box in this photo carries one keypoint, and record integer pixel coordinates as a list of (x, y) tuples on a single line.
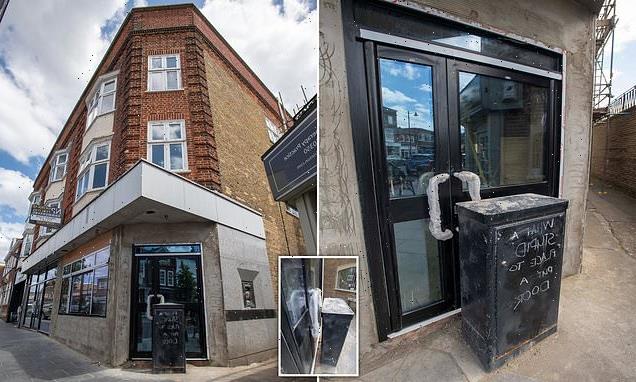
[(168, 339), (511, 253), (336, 318)]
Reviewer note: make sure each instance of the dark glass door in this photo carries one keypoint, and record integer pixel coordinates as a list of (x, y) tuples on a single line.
[(432, 117), (170, 279), (411, 148)]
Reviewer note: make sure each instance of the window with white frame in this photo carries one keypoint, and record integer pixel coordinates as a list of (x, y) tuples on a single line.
[(167, 145), (103, 101), (58, 167), (272, 131), (55, 205), (93, 171), (170, 278), (164, 72), (26, 246)]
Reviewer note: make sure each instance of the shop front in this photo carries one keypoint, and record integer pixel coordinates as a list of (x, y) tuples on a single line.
[(136, 246), (427, 107)]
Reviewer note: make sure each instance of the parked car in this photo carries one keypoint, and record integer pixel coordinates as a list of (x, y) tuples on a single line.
[(419, 163)]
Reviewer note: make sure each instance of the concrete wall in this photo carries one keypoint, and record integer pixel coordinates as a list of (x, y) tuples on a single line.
[(561, 24), (329, 278), (250, 340), (204, 233), (619, 151)]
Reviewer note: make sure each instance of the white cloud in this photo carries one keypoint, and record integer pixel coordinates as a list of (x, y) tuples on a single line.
[(49, 50), (626, 28), (395, 96), (427, 88), (406, 70), (15, 188), (279, 44), (8, 231)]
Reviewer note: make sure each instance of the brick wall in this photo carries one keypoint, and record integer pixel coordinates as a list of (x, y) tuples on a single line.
[(223, 104), (620, 151), (239, 124)]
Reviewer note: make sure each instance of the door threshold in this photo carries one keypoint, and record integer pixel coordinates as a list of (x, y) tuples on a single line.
[(422, 324)]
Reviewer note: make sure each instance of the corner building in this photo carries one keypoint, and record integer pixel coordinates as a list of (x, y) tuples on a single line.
[(163, 197)]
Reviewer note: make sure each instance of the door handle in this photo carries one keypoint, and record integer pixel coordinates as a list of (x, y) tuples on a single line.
[(472, 181), (435, 219), (148, 307)]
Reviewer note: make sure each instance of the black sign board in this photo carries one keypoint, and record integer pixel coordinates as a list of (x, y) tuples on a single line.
[(45, 216), (511, 253), (291, 164), (168, 339)]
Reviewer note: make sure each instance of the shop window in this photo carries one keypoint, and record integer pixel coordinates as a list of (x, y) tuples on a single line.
[(249, 300), (164, 72), (346, 279), (58, 167), (93, 171), (85, 285), (103, 101), (272, 131), (167, 145)]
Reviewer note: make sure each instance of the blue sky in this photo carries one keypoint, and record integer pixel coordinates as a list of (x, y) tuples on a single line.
[(406, 88), (49, 50)]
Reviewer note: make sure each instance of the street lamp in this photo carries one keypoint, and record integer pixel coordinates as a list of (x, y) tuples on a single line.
[(408, 119)]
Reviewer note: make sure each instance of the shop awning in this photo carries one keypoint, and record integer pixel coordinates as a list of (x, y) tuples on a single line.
[(146, 193)]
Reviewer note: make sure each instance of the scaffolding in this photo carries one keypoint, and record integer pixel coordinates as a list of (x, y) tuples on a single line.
[(603, 73), (604, 59)]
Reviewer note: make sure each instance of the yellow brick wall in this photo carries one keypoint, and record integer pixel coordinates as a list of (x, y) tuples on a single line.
[(238, 117)]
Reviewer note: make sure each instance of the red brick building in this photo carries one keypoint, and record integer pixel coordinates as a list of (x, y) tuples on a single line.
[(8, 272), (162, 196)]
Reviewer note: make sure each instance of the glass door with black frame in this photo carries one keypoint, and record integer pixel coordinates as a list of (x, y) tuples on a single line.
[(171, 279), (411, 149)]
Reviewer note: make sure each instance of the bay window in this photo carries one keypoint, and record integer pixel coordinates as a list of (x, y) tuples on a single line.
[(93, 171), (167, 146), (272, 131), (164, 72), (58, 167), (103, 101), (54, 205), (85, 285)]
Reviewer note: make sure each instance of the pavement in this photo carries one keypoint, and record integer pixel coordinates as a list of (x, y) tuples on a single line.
[(596, 337), (29, 356), (595, 341)]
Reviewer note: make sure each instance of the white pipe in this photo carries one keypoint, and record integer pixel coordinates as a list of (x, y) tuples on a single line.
[(435, 219), (473, 182)]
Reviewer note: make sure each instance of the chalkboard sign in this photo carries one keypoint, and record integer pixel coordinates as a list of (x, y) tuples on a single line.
[(510, 255), (168, 339), (528, 282)]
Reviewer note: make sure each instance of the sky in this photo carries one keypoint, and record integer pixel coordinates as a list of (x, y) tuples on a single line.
[(49, 50), (406, 88)]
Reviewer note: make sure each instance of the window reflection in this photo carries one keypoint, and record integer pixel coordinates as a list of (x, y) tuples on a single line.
[(407, 124), (503, 126)]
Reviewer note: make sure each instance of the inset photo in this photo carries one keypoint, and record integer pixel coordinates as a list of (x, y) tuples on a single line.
[(318, 321)]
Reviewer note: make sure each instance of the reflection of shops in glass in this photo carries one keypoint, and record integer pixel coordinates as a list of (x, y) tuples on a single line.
[(430, 97)]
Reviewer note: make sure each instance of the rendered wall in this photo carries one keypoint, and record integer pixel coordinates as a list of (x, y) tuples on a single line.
[(245, 256)]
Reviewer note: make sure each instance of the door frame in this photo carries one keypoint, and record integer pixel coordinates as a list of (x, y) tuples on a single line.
[(404, 206), (134, 294), (356, 56)]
